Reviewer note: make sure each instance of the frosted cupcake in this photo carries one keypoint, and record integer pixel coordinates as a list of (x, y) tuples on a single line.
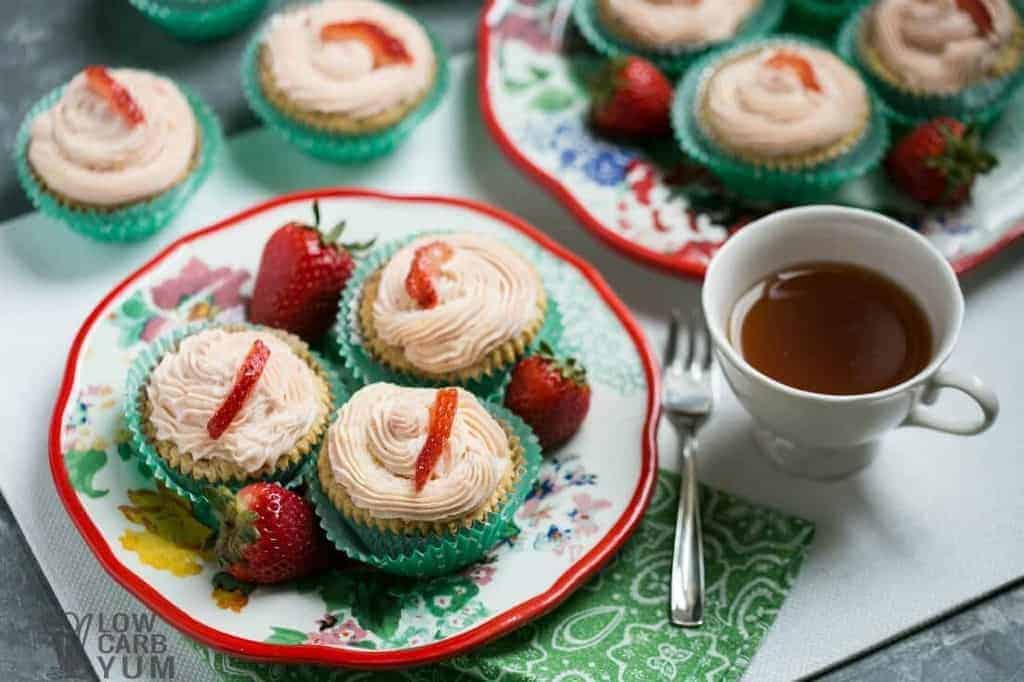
[(779, 119), (228, 405), (116, 152), (423, 471), (457, 308), (344, 79), (200, 19), (930, 58), (671, 33)]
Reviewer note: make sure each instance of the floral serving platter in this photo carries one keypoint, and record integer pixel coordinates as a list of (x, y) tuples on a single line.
[(648, 201), (589, 497)]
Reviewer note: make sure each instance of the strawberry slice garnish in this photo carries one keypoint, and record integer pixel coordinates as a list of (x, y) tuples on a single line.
[(442, 416), (386, 48), (798, 64), (245, 381), (979, 14), (120, 100), (426, 264)]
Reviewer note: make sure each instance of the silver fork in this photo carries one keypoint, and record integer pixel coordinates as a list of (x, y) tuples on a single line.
[(686, 400)]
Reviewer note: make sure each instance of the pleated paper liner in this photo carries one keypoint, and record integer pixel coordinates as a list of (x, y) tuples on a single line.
[(333, 146), (360, 363), (442, 553), (980, 103), (191, 489), (200, 19), (137, 220), (674, 61), (762, 181)]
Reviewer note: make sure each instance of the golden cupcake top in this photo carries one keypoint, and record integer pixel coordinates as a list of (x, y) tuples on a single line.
[(352, 57), (942, 46), (448, 301), (783, 101), (239, 396), (675, 23), (115, 136), (377, 445)]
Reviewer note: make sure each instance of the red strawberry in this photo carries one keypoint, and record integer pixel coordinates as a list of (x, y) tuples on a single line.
[(979, 14), (268, 534), (549, 394), (301, 275), (426, 264), (798, 64), (937, 161), (386, 48), (442, 416), (120, 100), (632, 97), (248, 374)]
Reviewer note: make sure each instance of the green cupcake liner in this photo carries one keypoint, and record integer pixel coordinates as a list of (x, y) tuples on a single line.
[(360, 364), (981, 103), (762, 183), (339, 147), (674, 61), (440, 554), (186, 487), (199, 20), (135, 221)]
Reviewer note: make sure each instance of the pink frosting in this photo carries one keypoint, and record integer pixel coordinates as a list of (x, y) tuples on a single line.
[(339, 76), (84, 150), (672, 23), (934, 46)]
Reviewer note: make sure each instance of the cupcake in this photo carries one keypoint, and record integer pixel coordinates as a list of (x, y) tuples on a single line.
[(457, 308), (672, 33), (200, 19), (227, 405), (929, 58), (427, 479), (781, 119), (345, 80), (116, 152)]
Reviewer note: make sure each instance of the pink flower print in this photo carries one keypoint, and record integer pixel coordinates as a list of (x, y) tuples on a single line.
[(152, 329), (482, 574), (195, 277), (583, 514), (527, 29), (534, 512), (348, 632)]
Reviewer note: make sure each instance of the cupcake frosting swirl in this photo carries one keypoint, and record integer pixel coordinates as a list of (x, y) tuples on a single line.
[(339, 76), (189, 384), (374, 444), (755, 106), (674, 23), (487, 295), (83, 150), (934, 45)]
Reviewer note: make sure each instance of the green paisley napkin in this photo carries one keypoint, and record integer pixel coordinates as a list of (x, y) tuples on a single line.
[(616, 627)]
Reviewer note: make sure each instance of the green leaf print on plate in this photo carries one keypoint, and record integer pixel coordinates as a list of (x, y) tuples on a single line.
[(553, 100), (286, 636), (82, 466)]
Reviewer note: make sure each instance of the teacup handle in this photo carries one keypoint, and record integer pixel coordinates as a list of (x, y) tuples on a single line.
[(971, 385)]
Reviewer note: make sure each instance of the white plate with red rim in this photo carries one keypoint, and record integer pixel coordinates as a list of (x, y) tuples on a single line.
[(207, 275), (650, 204)]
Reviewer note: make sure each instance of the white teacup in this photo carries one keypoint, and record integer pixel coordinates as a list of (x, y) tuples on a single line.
[(829, 436)]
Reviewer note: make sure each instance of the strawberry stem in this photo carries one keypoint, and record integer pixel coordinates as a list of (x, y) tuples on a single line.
[(335, 234), (316, 213)]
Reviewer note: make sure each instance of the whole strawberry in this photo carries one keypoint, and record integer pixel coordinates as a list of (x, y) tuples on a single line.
[(549, 394), (631, 97), (937, 162), (302, 272), (268, 534)]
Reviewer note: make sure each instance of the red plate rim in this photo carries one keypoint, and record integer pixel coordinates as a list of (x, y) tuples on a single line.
[(662, 261), (501, 624)]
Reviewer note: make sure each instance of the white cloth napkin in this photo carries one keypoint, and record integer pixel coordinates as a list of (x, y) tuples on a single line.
[(932, 524)]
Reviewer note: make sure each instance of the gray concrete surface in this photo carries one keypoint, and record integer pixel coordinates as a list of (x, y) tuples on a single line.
[(42, 44)]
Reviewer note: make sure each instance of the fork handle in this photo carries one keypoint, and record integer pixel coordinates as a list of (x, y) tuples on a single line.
[(687, 607)]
